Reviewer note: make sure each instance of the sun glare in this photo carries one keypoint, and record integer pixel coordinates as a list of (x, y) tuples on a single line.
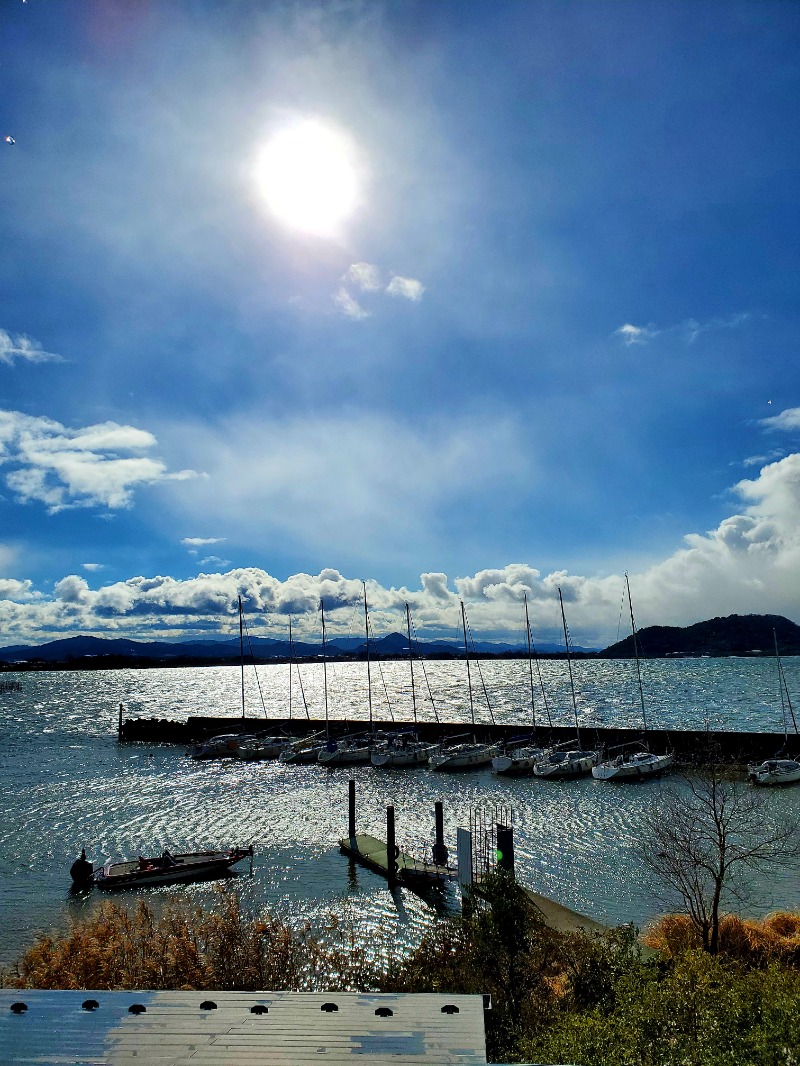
[(308, 177)]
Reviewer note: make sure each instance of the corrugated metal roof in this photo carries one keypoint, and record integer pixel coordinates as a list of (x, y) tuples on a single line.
[(83, 1028)]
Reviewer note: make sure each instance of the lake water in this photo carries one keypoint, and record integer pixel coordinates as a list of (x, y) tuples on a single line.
[(67, 784)]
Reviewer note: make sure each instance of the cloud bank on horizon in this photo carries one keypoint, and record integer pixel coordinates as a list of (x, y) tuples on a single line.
[(452, 290)]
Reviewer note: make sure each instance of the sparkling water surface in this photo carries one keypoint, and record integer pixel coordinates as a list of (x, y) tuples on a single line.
[(66, 784)]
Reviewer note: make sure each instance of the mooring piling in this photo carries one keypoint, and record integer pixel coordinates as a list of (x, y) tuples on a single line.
[(440, 853), (351, 812), (391, 847)]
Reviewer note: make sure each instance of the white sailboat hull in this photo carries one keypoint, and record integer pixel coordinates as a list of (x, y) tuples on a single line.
[(577, 764), (417, 755), (463, 757), (640, 766), (345, 756), (774, 772), (520, 763)]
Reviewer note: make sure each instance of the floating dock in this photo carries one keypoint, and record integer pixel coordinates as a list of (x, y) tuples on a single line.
[(373, 854)]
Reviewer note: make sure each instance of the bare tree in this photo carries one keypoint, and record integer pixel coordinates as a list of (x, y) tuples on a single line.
[(702, 839)]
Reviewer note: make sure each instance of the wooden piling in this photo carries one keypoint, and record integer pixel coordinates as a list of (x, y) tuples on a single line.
[(439, 849), (391, 848), (351, 811)]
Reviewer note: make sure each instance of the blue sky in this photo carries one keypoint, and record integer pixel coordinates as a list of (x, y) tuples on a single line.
[(554, 339)]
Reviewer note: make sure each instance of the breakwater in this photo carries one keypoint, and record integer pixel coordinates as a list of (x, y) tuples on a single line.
[(692, 746)]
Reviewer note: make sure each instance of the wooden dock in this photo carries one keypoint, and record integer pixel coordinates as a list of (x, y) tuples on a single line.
[(373, 854)]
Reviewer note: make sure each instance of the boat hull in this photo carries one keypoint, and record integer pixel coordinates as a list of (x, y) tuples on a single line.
[(416, 755), (190, 866), (468, 757), (517, 763), (774, 772), (636, 769), (578, 765)]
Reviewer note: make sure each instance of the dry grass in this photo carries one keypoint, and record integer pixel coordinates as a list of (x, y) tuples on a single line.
[(189, 948), (775, 938)]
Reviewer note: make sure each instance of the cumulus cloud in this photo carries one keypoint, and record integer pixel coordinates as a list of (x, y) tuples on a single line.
[(366, 278), (786, 420), (348, 305), (17, 347), (409, 288), (65, 468)]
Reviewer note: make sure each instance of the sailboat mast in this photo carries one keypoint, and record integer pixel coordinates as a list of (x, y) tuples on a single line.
[(569, 666), (530, 662), (785, 697), (325, 671), (411, 664), (466, 652), (291, 656), (369, 679), (636, 653), (241, 648)]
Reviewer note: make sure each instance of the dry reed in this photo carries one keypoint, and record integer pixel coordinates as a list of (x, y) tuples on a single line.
[(775, 938)]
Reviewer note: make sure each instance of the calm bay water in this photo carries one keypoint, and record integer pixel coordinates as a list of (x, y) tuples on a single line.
[(67, 784)]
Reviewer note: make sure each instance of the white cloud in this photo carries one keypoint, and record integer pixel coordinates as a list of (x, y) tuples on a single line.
[(636, 334), (193, 543), (409, 288), (93, 568), (366, 276), (380, 483), (786, 420), (66, 468), (348, 305), (689, 330), (22, 347), (750, 563)]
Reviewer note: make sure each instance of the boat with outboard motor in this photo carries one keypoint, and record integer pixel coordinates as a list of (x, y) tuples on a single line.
[(161, 870)]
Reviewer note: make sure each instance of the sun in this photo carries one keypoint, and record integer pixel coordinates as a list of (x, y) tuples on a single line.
[(308, 177)]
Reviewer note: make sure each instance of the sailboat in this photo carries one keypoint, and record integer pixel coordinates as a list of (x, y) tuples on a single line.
[(356, 749), (778, 770), (567, 760), (308, 749), (633, 762), (465, 756), (521, 754), (226, 745), (404, 748)]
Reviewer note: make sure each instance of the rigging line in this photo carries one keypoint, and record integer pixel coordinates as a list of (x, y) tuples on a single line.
[(568, 645), (411, 663), (480, 673), (784, 690), (425, 673), (380, 671), (299, 675), (541, 683), (636, 654), (255, 668), (530, 663)]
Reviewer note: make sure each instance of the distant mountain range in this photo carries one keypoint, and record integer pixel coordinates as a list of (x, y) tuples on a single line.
[(750, 634), (84, 648)]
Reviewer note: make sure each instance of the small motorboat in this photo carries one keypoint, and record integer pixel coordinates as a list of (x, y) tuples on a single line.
[(165, 869), (774, 772)]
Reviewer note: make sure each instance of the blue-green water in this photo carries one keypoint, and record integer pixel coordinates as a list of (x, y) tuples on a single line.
[(67, 784)]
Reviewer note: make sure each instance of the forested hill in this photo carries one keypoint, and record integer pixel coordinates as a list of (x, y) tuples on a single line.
[(738, 634)]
